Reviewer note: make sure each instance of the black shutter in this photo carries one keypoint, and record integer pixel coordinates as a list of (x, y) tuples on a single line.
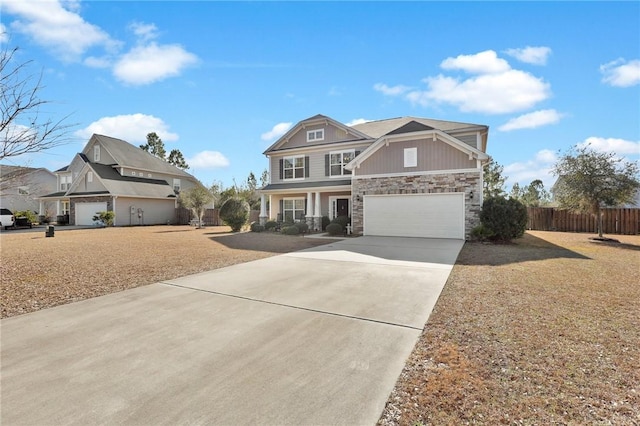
[(281, 168), (326, 165), (306, 166)]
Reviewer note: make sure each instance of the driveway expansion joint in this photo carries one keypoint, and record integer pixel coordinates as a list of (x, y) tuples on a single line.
[(251, 299)]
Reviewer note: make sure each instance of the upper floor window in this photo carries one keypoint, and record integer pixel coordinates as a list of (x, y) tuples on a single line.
[(315, 135), (337, 161), (96, 153), (293, 168), (23, 190), (411, 157), (176, 185), (65, 182)]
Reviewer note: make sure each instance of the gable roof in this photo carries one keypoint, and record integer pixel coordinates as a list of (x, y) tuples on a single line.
[(316, 119), (128, 155), (379, 128), (9, 172)]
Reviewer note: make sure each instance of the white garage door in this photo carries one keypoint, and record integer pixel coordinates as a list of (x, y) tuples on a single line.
[(415, 215), (86, 211)]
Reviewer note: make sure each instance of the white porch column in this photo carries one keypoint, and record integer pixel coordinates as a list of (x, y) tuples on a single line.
[(58, 212), (308, 214), (317, 215), (263, 209)]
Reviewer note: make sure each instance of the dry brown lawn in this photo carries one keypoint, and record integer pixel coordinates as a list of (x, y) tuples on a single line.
[(544, 331), (38, 272)]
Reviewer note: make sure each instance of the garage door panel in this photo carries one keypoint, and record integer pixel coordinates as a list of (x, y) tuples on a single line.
[(415, 215), (86, 211)]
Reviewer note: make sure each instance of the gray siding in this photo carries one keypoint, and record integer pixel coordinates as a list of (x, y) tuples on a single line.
[(432, 156), (105, 158), (331, 134), (316, 164), (154, 212), (85, 186)]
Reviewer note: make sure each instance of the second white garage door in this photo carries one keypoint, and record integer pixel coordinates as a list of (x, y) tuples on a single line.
[(415, 215), (86, 211)]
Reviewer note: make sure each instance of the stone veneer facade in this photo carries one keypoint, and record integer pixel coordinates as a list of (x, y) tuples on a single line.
[(467, 182), (96, 199)]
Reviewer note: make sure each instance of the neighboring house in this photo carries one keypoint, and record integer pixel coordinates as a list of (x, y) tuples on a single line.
[(20, 187), (113, 175), (405, 176)]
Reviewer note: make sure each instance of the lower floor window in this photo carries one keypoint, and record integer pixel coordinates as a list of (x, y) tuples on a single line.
[(293, 209), (65, 207)]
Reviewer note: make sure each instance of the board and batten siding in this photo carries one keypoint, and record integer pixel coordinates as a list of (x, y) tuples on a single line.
[(331, 134), (432, 155), (316, 164)]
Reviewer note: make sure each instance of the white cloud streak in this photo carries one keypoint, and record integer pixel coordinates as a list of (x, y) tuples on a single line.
[(531, 55), (151, 63), (132, 128), (208, 160), (494, 87), (532, 120), (615, 145), (357, 121), (620, 73), (277, 131)]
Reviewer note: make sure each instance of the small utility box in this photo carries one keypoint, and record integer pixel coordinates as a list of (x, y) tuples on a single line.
[(50, 231)]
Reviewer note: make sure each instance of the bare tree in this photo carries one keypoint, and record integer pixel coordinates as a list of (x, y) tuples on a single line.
[(24, 128)]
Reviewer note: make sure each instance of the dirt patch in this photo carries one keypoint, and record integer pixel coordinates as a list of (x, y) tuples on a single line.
[(543, 331), (38, 272)]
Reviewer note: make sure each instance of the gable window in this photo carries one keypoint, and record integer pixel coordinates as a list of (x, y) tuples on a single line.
[(96, 153), (89, 177), (293, 168), (292, 209), (23, 190), (176, 185), (315, 135), (411, 157)]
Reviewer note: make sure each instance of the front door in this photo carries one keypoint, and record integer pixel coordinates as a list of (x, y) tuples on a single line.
[(342, 207)]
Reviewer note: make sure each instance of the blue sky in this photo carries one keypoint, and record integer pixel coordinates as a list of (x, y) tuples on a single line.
[(222, 80)]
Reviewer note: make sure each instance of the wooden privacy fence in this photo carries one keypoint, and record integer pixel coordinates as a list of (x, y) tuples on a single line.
[(614, 221), (210, 218)]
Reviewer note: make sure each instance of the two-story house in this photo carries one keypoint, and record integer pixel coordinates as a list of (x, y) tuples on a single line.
[(405, 176), (20, 187), (112, 175)]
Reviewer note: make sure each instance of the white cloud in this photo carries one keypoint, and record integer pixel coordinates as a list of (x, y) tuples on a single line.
[(151, 63), (538, 167), (208, 160), (496, 93), (390, 90), (277, 131), (531, 55), (532, 120), (55, 27), (486, 62), (144, 32), (495, 88), (621, 73), (132, 128), (618, 146), (356, 121), (4, 37)]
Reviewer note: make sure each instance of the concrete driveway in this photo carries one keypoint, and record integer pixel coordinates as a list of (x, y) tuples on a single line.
[(318, 336)]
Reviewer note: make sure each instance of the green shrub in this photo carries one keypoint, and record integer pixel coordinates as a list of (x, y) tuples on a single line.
[(290, 230), (325, 221), (505, 219), (235, 213), (481, 233), (256, 227), (105, 217), (271, 225), (342, 220), (335, 229), (26, 213), (302, 227)]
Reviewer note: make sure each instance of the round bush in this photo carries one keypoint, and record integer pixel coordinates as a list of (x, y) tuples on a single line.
[(342, 220), (335, 229), (271, 225), (235, 213), (290, 230), (302, 227), (256, 227), (325, 222), (505, 219)]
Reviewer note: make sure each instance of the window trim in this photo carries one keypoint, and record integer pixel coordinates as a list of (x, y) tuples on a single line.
[(89, 177), (411, 157), (342, 171), (294, 168), (294, 210), (315, 133)]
